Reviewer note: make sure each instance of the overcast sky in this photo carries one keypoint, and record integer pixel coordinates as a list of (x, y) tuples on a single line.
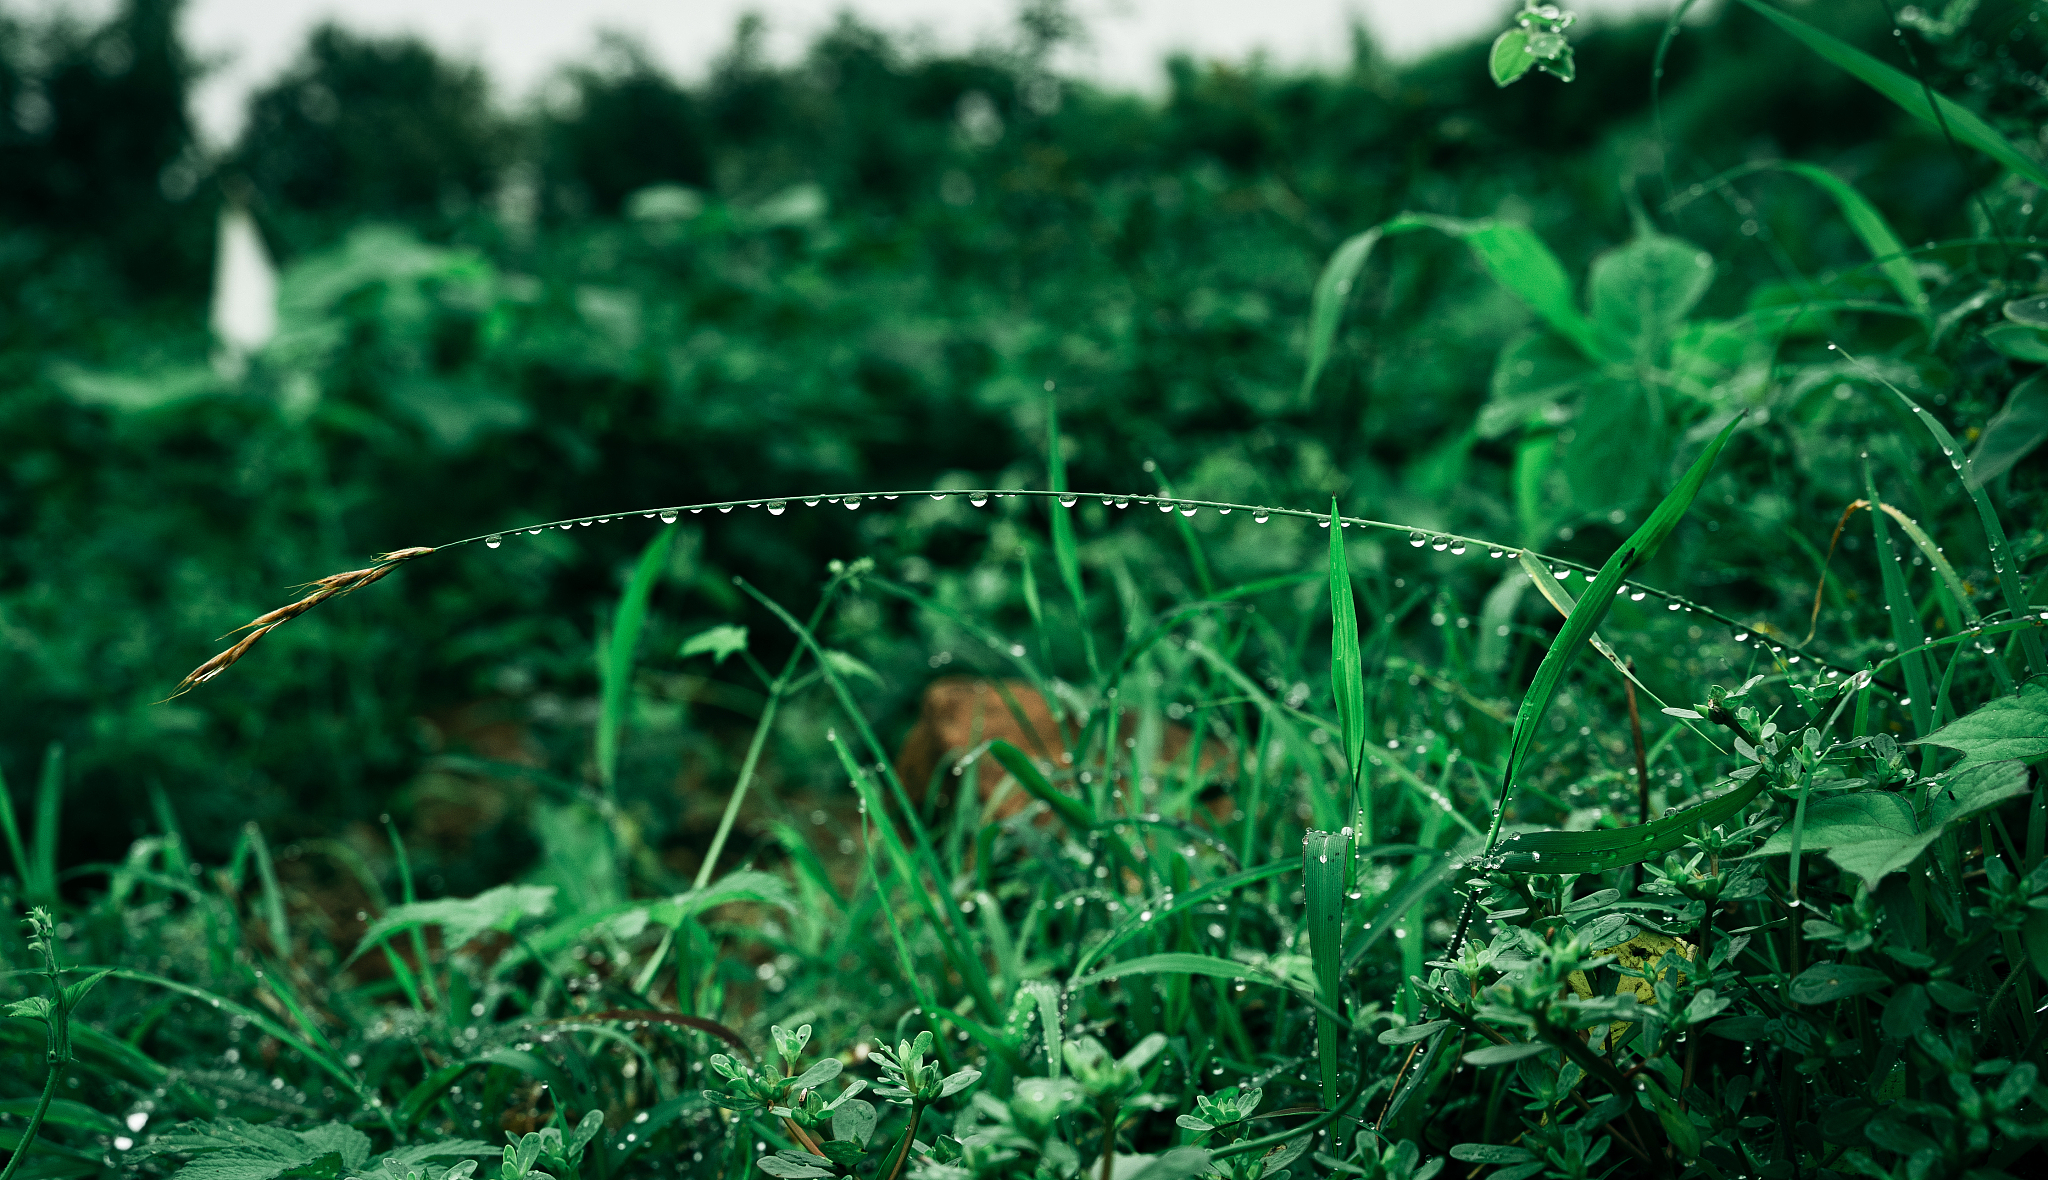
[(522, 41)]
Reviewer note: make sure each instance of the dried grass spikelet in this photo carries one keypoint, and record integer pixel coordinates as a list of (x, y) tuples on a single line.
[(323, 589)]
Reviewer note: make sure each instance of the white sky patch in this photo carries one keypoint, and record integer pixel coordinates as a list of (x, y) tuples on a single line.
[(522, 43)]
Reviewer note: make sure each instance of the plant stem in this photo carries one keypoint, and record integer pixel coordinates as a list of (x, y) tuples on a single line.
[(902, 1149), (35, 1122)]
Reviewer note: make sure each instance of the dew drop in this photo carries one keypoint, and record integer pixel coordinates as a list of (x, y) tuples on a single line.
[(1440, 544), (1067, 501), (1495, 552), (852, 502), (938, 495), (1638, 595), (668, 516), (1741, 636), (777, 507), (1261, 516), (1417, 540), (1457, 548), (1123, 502), (978, 499), (493, 541), (725, 507), (1188, 510)]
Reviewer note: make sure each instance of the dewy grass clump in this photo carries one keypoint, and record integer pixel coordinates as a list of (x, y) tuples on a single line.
[(1372, 864)]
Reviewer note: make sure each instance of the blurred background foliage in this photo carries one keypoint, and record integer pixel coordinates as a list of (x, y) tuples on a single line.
[(851, 273)]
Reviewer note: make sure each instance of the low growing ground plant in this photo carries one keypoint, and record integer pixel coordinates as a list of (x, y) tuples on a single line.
[(1474, 860)]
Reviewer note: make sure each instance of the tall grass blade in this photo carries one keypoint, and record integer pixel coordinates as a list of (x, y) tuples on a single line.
[(274, 920), (1618, 848), (1875, 232), (12, 828), (1905, 619), (1347, 675), (49, 824), (1325, 857), (1586, 615), (615, 669), (1907, 93), (1964, 613), (1065, 553), (2003, 563)]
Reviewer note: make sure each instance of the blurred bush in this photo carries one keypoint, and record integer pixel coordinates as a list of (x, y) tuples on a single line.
[(856, 272)]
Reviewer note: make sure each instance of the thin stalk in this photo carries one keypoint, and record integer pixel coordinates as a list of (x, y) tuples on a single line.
[(776, 691), (902, 1149), (35, 1121)]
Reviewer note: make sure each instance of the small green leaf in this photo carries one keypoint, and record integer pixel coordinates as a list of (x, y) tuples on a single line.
[(718, 642), (2030, 312), (854, 1120), (1505, 1054), (462, 918), (1411, 1033), (2019, 342), (1491, 1153), (1511, 57), (1825, 982)]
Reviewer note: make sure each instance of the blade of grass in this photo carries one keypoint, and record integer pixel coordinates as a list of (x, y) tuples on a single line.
[(1905, 621), (1326, 304), (1066, 554), (1324, 882), (1579, 627), (1347, 675), (12, 828), (1907, 93), (273, 898), (1964, 612), (1182, 900), (1618, 848), (615, 664), (49, 821), (2003, 562)]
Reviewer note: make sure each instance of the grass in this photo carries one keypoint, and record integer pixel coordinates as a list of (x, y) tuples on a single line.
[(1422, 892)]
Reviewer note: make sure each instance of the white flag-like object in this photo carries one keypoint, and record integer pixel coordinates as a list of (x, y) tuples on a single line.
[(244, 292)]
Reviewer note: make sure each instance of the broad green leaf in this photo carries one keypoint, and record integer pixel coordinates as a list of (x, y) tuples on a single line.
[(1175, 1163), (2031, 312), (1826, 982), (1533, 372), (718, 643), (2017, 430), (1905, 1013), (1615, 448), (2008, 727), (1977, 786), (1847, 819), (462, 918), (1874, 860), (1325, 867), (1639, 293), (1908, 94), (1519, 261), (2019, 342)]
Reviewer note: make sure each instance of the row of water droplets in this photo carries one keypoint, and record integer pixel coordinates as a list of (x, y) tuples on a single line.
[(1455, 545)]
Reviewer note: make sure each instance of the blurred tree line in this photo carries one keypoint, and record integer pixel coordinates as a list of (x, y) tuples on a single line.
[(853, 272)]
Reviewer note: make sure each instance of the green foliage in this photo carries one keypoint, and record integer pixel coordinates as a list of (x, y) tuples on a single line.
[(1265, 853)]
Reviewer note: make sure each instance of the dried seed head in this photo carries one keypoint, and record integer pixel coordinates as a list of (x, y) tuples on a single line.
[(328, 587)]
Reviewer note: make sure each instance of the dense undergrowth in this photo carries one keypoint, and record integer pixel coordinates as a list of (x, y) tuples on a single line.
[(1634, 771)]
